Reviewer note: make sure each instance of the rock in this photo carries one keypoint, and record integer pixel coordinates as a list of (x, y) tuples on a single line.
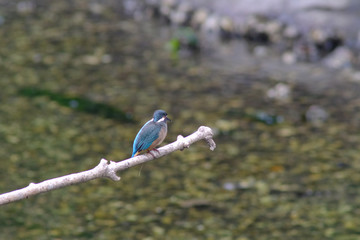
[(230, 186), (279, 92), (289, 57), (181, 15), (152, 2), (303, 25), (165, 11), (106, 58), (259, 37), (324, 41), (226, 28), (318, 35), (291, 32), (355, 76), (329, 44), (306, 51), (273, 27), (255, 31), (342, 57), (320, 4), (260, 51), (316, 115), (184, 7), (227, 24), (199, 17), (25, 6), (211, 24), (97, 8), (168, 3), (286, 131), (131, 8), (178, 17)]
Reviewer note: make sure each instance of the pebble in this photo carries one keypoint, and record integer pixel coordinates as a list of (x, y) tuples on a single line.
[(178, 17), (316, 115), (199, 17), (181, 15), (279, 92), (289, 58), (226, 27), (273, 28), (318, 35), (168, 3), (356, 76), (260, 51), (211, 24), (97, 8), (25, 6), (291, 32)]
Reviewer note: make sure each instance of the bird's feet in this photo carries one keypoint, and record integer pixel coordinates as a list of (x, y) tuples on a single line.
[(149, 151)]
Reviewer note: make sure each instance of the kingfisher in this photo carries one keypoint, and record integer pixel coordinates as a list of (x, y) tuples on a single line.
[(151, 134)]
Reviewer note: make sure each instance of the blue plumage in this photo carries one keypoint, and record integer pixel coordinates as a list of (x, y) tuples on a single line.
[(152, 133)]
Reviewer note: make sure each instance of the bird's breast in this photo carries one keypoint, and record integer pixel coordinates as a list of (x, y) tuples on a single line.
[(162, 133)]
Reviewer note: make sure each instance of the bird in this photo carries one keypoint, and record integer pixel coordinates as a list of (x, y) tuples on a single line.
[(151, 134)]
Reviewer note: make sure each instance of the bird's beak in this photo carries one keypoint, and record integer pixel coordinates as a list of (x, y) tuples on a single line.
[(167, 119)]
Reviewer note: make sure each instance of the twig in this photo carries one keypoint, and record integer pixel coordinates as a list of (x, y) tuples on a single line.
[(107, 168)]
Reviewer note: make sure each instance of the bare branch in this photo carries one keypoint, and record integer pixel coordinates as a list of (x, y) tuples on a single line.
[(107, 168)]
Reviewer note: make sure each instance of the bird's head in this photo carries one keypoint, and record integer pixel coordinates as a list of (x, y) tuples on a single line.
[(160, 115)]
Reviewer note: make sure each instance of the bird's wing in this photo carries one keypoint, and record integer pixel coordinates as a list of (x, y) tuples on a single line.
[(149, 133)]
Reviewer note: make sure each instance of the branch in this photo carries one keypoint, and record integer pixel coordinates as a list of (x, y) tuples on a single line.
[(108, 168)]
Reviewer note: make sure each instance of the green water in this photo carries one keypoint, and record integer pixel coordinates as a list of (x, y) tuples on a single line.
[(78, 80)]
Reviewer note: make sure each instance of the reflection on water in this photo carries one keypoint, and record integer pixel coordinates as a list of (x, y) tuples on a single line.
[(78, 103), (284, 168)]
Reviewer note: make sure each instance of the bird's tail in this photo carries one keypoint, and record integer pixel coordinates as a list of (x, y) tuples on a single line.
[(135, 154)]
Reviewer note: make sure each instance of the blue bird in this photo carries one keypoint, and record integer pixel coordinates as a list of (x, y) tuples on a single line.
[(152, 133)]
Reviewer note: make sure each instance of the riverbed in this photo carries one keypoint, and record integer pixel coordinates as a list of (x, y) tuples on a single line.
[(79, 79)]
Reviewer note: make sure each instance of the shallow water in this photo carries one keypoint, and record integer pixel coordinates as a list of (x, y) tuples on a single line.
[(273, 175)]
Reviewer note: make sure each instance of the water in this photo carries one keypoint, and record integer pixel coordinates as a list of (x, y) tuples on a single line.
[(291, 179)]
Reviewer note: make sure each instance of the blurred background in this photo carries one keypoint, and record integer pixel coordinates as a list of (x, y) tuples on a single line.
[(278, 82)]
